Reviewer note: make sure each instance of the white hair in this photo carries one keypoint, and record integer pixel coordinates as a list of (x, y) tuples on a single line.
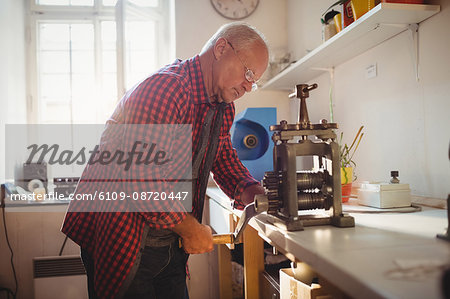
[(240, 34)]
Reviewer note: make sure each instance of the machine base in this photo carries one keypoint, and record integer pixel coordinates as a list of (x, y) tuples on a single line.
[(343, 221), (445, 236), (285, 223), (310, 220)]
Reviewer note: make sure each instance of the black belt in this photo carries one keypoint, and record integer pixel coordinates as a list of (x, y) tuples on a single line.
[(160, 238)]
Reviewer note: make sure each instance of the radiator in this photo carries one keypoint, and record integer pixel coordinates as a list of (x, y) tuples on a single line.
[(57, 277)]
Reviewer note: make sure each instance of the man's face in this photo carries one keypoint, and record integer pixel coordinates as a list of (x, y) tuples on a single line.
[(233, 71)]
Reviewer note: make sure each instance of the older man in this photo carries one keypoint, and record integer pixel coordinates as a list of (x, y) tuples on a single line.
[(136, 254)]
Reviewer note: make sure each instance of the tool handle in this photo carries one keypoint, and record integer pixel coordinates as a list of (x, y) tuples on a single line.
[(223, 239), (217, 239)]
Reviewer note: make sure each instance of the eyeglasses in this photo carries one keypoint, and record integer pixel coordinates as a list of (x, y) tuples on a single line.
[(249, 74)]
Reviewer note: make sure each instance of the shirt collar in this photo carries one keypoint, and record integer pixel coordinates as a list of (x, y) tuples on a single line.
[(200, 95)]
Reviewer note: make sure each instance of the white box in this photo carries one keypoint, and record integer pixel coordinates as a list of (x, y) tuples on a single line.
[(384, 195)]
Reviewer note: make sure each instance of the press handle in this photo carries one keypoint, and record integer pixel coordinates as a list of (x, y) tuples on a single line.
[(310, 87), (223, 239), (217, 239)]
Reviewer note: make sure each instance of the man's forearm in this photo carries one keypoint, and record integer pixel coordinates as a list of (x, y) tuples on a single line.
[(187, 226), (196, 237)]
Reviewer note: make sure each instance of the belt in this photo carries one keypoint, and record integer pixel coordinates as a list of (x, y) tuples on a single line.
[(160, 238)]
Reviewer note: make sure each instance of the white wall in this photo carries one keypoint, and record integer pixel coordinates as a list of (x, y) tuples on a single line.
[(12, 70), (304, 27), (196, 21), (407, 123)]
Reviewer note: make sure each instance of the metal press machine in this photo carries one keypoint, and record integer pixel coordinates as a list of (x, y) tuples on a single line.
[(289, 190)]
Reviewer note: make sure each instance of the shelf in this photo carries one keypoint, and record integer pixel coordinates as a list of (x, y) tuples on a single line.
[(379, 24)]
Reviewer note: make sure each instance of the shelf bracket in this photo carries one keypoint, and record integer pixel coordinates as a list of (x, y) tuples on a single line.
[(414, 35)]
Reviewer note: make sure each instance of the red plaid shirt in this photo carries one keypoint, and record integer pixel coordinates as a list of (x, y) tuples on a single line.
[(176, 94)]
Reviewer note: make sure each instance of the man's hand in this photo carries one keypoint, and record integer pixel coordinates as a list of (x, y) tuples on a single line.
[(248, 195), (196, 237)]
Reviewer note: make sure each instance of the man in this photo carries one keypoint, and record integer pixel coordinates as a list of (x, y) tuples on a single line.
[(136, 255)]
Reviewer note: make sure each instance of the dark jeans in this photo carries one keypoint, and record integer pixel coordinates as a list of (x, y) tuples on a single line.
[(88, 263), (161, 274)]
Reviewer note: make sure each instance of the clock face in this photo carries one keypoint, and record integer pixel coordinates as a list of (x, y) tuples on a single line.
[(235, 9)]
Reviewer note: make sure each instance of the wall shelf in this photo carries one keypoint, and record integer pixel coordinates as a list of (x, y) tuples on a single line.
[(379, 24)]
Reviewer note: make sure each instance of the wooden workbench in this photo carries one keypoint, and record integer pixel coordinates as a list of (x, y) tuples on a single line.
[(363, 261)]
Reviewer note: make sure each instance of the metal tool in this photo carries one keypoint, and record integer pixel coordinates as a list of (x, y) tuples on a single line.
[(260, 205), (446, 235)]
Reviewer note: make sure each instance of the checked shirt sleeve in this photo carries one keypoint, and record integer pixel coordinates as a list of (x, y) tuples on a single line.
[(229, 173)]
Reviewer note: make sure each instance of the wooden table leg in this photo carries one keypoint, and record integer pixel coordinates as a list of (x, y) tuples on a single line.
[(253, 262), (225, 275)]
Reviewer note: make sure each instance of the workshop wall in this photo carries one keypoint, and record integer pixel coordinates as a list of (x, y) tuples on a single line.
[(12, 70), (407, 123), (196, 21)]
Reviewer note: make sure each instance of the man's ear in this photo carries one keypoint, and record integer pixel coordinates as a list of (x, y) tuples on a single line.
[(219, 48)]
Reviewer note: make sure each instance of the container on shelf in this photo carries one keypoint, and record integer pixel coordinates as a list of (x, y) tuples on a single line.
[(338, 22), (360, 7), (348, 14), (405, 1)]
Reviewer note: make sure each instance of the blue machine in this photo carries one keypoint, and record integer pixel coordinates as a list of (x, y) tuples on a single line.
[(251, 138)]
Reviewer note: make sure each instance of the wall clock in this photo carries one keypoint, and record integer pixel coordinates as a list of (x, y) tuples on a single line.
[(235, 9)]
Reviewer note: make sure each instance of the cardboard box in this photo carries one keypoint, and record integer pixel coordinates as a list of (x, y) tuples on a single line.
[(291, 288)]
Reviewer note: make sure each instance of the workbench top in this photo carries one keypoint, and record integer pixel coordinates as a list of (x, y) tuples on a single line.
[(392, 255)]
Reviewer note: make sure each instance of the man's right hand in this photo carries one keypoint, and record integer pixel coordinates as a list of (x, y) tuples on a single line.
[(196, 237)]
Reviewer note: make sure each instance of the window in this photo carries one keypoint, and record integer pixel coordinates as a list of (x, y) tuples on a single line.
[(84, 54)]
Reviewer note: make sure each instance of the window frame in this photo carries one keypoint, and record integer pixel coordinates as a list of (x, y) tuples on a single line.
[(36, 14)]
